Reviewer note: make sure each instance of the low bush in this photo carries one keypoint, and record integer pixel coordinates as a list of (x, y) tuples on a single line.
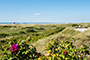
[(30, 30), (59, 29), (22, 32), (14, 26), (18, 50), (14, 34), (7, 26), (65, 51), (39, 28), (3, 35), (75, 25)]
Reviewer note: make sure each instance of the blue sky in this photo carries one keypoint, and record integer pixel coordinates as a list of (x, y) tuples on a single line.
[(45, 11)]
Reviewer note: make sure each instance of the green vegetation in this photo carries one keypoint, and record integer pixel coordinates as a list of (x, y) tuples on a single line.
[(3, 35), (18, 50), (65, 51), (39, 35)]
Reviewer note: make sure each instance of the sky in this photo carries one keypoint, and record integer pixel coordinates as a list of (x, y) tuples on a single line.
[(71, 11)]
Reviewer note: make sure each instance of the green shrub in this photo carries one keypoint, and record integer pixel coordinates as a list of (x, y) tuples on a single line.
[(14, 26), (22, 32), (7, 26), (3, 35), (59, 29), (14, 33), (75, 25), (30, 30), (18, 50), (39, 28), (55, 51), (65, 51)]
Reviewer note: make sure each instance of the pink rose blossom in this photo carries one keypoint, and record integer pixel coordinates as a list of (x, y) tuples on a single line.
[(65, 52), (14, 47)]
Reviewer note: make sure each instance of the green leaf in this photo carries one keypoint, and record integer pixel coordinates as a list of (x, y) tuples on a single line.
[(85, 59)]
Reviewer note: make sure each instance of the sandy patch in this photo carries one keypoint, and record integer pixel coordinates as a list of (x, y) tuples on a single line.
[(81, 29)]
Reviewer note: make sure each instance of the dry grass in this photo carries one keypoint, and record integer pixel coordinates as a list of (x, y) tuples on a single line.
[(42, 43)]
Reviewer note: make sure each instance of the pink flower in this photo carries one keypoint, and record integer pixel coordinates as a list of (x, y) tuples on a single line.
[(65, 52), (14, 47)]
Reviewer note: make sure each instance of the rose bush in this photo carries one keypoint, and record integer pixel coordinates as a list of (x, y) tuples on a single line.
[(19, 50), (65, 51)]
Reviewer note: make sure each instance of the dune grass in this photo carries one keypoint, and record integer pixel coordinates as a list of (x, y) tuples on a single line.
[(39, 35)]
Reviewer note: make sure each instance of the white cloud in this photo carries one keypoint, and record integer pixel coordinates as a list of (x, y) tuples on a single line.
[(36, 13)]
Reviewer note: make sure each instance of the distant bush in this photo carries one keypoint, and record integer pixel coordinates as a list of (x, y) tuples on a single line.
[(22, 32), (54, 26), (30, 30), (14, 26), (73, 25), (7, 26), (41, 28), (3, 35), (35, 34), (14, 33), (59, 29)]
